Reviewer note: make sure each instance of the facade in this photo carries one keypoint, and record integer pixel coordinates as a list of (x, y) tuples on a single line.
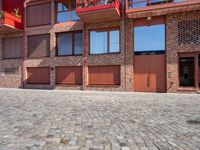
[(112, 45)]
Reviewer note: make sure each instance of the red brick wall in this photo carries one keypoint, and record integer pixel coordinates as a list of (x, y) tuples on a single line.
[(10, 80), (173, 48)]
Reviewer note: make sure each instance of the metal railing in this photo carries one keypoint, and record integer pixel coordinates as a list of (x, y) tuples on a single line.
[(144, 3), (91, 3)]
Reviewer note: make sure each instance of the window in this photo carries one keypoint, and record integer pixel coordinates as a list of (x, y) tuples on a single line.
[(39, 46), (38, 15), (12, 48), (69, 43), (66, 11), (149, 38), (186, 71), (102, 42)]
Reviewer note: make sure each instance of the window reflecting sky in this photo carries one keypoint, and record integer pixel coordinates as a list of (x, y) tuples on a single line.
[(149, 38)]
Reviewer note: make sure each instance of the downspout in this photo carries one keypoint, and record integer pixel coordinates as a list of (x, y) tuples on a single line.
[(84, 57), (23, 48), (123, 5)]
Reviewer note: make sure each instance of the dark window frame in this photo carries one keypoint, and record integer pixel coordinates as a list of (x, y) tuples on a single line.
[(73, 43), (108, 40), (64, 11), (179, 70)]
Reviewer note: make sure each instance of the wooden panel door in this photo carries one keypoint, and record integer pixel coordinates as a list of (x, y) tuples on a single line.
[(149, 73)]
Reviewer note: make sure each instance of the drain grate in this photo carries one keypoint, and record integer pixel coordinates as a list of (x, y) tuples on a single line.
[(194, 121)]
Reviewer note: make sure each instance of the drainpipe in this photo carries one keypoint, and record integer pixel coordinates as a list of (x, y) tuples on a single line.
[(123, 5), (23, 50), (22, 64), (84, 58)]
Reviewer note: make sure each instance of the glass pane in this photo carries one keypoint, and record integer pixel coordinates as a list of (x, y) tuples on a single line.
[(114, 41), (149, 38), (186, 71), (98, 42), (78, 45), (74, 15), (63, 16), (59, 7), (64, 44)]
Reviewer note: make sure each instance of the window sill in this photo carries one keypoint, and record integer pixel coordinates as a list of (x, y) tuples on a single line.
[(103, 85), (190, 89), (11, 58), (117, 53), (68, 55)]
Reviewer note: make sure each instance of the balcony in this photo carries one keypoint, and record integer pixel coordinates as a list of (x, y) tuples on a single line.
[(9, 22), (98, 10), (146, 8)]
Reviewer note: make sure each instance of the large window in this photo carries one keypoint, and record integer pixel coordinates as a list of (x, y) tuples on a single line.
[(102, 42), (149, 38), (37, 15), (38, 46), (66, 11), (69, 43), (186, 71), (12, 48)]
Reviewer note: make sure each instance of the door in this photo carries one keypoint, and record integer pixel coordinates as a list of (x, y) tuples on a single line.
[(149, 73)]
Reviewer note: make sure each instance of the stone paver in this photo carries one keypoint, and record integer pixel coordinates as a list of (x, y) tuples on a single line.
[(76, 120)]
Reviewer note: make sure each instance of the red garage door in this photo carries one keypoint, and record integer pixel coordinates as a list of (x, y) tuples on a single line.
[(104, 75), (70, 75), (38, 75), (149, 73)]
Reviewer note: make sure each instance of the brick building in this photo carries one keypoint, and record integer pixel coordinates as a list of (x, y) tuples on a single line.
[(127, 45)]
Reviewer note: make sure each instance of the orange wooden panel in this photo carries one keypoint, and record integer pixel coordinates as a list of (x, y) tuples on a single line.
[(38, 75), (104, 75), (149, 73), (69, 75)]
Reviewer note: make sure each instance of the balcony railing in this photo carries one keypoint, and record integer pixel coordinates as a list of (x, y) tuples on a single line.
[(146, 3), (87, 5), (10, 20)]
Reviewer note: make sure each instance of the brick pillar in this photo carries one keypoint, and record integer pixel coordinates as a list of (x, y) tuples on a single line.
[(85, 54), (52, 55), (129, 54)]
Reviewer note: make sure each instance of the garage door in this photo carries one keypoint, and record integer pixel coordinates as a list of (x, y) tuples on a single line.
[(149, 73), (38, 75), (69, 75), (104, 75)]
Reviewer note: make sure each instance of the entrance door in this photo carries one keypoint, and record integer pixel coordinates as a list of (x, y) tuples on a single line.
[(149, 73)]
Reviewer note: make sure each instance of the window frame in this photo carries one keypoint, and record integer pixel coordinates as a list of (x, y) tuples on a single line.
[(179, 70), (150, 50), (64, 11), (38, 4), (108, 40), (3, 50), (73, 43)]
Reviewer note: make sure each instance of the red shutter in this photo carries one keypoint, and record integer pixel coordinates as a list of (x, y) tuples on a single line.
[(104, 75), (71, 75), (38, 75), (38, 15), (39, 45)]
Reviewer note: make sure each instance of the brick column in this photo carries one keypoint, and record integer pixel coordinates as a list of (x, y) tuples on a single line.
[(85, 54)]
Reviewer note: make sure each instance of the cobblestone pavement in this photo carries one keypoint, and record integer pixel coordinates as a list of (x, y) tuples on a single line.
[(77, 120)]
